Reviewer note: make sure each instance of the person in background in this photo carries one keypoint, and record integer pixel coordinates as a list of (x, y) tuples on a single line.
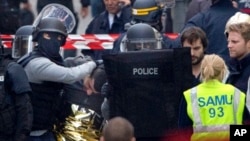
[(149, 13), (213, 22), (47, 75), (209, 117), (118, 129), (111, 21), (196, 6), (16, 112), (237, 32), (242, 5), (97, 7), (14, 14), (195, 39)]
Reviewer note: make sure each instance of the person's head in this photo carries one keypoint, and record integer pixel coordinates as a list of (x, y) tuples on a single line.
[(118, 129), (238, 35), (112, 6), (147, 12), (140, 37), (195, 38), (93, 84), (50, 34), (213, 67), (22, 42)]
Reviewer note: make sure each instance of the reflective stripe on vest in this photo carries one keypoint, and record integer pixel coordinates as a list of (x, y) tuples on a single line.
[(248, 95), (196, 114)]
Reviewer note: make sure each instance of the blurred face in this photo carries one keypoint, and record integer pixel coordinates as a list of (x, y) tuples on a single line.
[(112, 6), (238, 47), (145, 46), (51, 35), (197, 51)]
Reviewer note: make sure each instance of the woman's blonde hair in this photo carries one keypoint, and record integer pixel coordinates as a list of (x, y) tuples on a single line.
[(213, 67)]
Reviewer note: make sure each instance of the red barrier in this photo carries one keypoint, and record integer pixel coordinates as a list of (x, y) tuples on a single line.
[(87, 41)]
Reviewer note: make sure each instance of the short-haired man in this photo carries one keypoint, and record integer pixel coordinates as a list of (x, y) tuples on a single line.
[(118, 129), (194, 38)]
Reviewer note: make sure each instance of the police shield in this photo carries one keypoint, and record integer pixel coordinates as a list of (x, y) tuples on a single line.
[(147, 87)]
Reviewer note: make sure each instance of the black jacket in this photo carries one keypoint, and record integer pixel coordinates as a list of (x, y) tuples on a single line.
[(16, 112), (100, 25)]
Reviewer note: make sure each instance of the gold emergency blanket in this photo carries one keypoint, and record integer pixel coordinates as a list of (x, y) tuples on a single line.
[(78, 127)]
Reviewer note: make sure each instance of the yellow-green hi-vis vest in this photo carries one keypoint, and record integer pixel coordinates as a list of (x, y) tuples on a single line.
[(248, 95), (213, 106)]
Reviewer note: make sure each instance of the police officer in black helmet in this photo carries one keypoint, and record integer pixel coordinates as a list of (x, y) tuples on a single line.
[(140, 37), (22, 42), (147, 12), (150, 13), (47, 75), (16, 113)]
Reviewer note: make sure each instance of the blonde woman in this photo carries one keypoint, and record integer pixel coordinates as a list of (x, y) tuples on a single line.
[(213, 105)]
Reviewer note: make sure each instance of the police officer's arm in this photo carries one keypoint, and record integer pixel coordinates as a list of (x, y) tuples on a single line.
[(43, 69), (20, 90)]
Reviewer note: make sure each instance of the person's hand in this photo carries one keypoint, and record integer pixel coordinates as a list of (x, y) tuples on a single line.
[(25, 6), (235, 4), (106, 90), (125, 2), (88, 85), (84, 12)]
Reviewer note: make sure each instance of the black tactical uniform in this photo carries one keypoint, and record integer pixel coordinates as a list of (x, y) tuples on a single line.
[(16, 113)]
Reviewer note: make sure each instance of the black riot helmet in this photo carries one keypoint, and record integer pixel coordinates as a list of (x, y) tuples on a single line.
[(22, 42), (147, 12), (51, 25), (140, 36)]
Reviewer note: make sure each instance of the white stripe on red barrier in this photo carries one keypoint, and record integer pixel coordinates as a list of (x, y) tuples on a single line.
[(86, 41)]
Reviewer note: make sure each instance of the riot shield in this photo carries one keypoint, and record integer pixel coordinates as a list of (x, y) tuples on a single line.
[(147, 88), (60, 12)]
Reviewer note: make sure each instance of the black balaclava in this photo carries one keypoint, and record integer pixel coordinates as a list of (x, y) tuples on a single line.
[(50, 47)]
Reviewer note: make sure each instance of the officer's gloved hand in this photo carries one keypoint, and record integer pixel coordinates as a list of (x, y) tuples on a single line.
[(78, 60), (99, 62), (106, 90)]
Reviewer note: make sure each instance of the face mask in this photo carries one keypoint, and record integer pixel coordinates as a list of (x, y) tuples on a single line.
[(50, 47)]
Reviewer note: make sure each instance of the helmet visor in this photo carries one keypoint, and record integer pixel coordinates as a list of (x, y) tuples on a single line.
[(141, 44), (21, 46), (60, 12)]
